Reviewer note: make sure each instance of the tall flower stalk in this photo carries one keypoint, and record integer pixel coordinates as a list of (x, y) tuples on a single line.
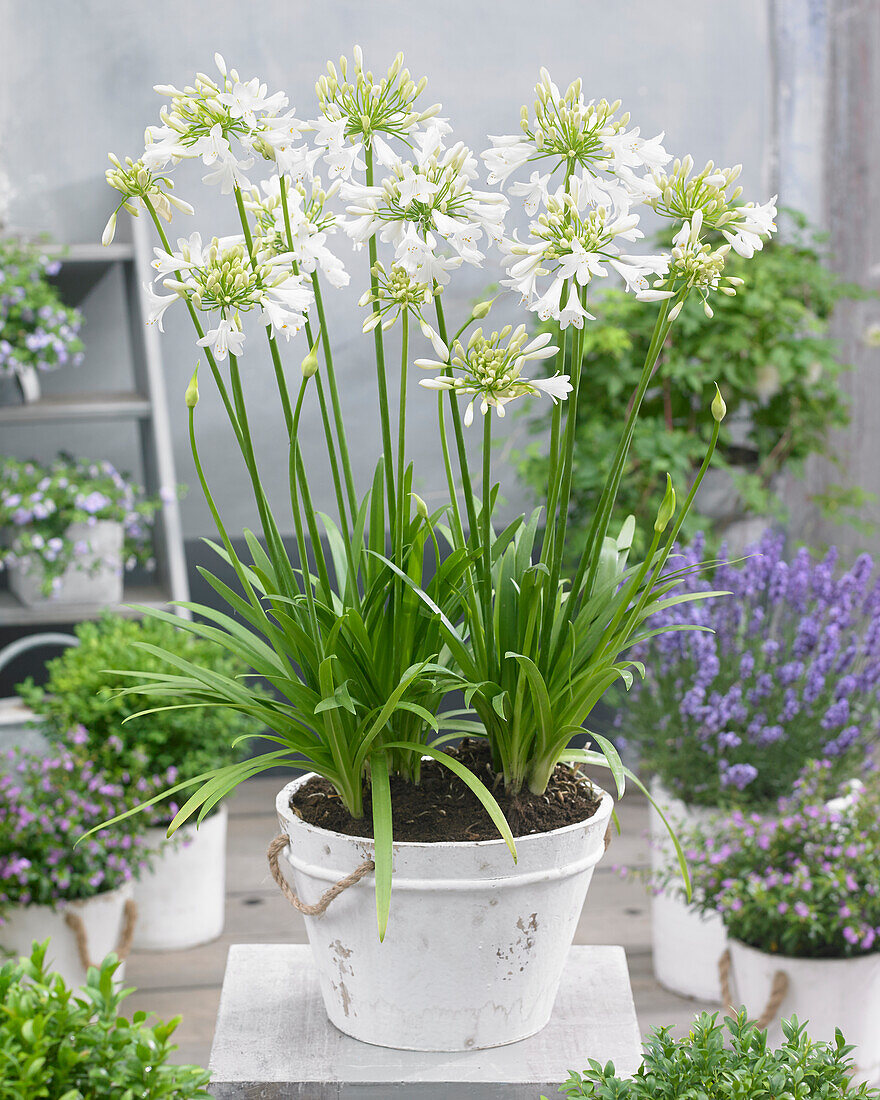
[(388, 607)]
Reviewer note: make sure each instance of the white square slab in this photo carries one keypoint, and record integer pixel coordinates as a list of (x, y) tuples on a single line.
[(273, 1040)]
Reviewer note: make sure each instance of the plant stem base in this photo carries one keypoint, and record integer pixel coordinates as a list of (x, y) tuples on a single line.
[(273, 1038)]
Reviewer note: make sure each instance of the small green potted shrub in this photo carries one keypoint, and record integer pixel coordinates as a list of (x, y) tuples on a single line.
[(74, 1044), (83, 704), (799, 895), (733, 1061), (70, 529), (82, 896)]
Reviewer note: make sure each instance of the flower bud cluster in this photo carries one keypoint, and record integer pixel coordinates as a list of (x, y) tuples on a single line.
[(137, 182), (491, 369), (369, 106)]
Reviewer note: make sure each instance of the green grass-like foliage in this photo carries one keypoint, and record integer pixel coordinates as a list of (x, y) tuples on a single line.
[(82, 690), (63, 1044), (702, 1067)]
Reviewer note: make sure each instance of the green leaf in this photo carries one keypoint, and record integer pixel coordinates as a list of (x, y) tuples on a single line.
[(383, 853)]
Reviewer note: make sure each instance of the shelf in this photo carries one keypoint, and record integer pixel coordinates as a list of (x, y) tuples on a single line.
[(78, 406), (13, 613), (91, 253)]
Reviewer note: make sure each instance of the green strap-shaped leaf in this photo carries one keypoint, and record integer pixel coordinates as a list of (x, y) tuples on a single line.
[(383, 851)]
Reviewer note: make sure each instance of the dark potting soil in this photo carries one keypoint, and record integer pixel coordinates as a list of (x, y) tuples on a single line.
[(442, 808)]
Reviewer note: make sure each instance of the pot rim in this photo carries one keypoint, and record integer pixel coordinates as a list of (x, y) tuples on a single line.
[(282, 808), (867, 956)]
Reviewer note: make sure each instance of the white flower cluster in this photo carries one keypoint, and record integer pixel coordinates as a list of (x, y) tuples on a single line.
[(590, 172), (610, 171), (491, 370), (225, 278), (424, 202)]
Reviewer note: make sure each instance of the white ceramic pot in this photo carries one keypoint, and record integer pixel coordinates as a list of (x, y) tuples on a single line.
[(102, 917), (95, 576), (182, 903), (686, 945), (475, 946), (826, 993)]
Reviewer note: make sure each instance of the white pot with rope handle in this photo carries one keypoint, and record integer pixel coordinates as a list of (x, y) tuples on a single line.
[(824, 993), (82, 933), (476, 944)]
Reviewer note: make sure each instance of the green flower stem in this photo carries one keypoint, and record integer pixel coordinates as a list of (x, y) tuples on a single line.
[(682, 516), (486, 537), (293, 462), (402, 505), (380, 365), (602, 515), (555, 473), (455, 412), (212, 362), (562, 498), (334, 398)]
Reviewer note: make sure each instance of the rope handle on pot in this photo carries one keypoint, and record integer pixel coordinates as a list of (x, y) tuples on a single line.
[(277, 846), (126, 935), (778, 990)]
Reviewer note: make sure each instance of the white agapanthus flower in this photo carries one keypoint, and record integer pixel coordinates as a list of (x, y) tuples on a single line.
[(140, 184), (209, 120), (361, 112), (574, 243), (311, 222), (591, 137), (490, 369), (222, 278), (424, 203), (397, 291)]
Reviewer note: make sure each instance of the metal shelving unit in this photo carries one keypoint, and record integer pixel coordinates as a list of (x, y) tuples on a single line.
[(84, 266)]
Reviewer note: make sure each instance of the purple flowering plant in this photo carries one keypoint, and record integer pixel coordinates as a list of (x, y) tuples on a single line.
[(46, 804), (805, 883), (36, 329), (39, 503), (781, 672)]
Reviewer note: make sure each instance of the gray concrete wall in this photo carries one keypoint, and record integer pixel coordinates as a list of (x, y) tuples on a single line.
[(76, 81)]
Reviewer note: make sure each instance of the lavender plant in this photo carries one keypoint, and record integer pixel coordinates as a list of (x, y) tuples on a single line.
[(804, 884), (38, 505), (46, 803), (37, 331), (782, 672)]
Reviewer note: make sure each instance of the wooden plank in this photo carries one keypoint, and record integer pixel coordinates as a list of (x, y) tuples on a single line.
[(91, 253)]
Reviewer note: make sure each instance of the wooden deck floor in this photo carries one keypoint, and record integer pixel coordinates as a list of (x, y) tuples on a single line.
[(187, 983)]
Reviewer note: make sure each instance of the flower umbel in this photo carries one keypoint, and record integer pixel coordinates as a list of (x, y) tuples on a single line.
[(492, 370)]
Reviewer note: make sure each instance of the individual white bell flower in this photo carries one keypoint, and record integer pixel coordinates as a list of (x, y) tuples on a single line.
[(223, 340), (247, 98), (507, 154), (158, 304), (533, 193), (573, 312), (752, 225)]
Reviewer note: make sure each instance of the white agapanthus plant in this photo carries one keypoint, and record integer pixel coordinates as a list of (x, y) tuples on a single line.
[(360, 642)]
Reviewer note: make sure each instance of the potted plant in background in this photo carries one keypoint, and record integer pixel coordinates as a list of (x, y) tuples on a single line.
[(69, 530), (362, 662), (181, 901), (769, 349), (733, 1059), (71, 1043), (80, 897), (800, 899), (782, 673), (37, 331)]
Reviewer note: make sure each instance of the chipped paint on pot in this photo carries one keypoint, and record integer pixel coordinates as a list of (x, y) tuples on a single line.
[(475, 946)]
